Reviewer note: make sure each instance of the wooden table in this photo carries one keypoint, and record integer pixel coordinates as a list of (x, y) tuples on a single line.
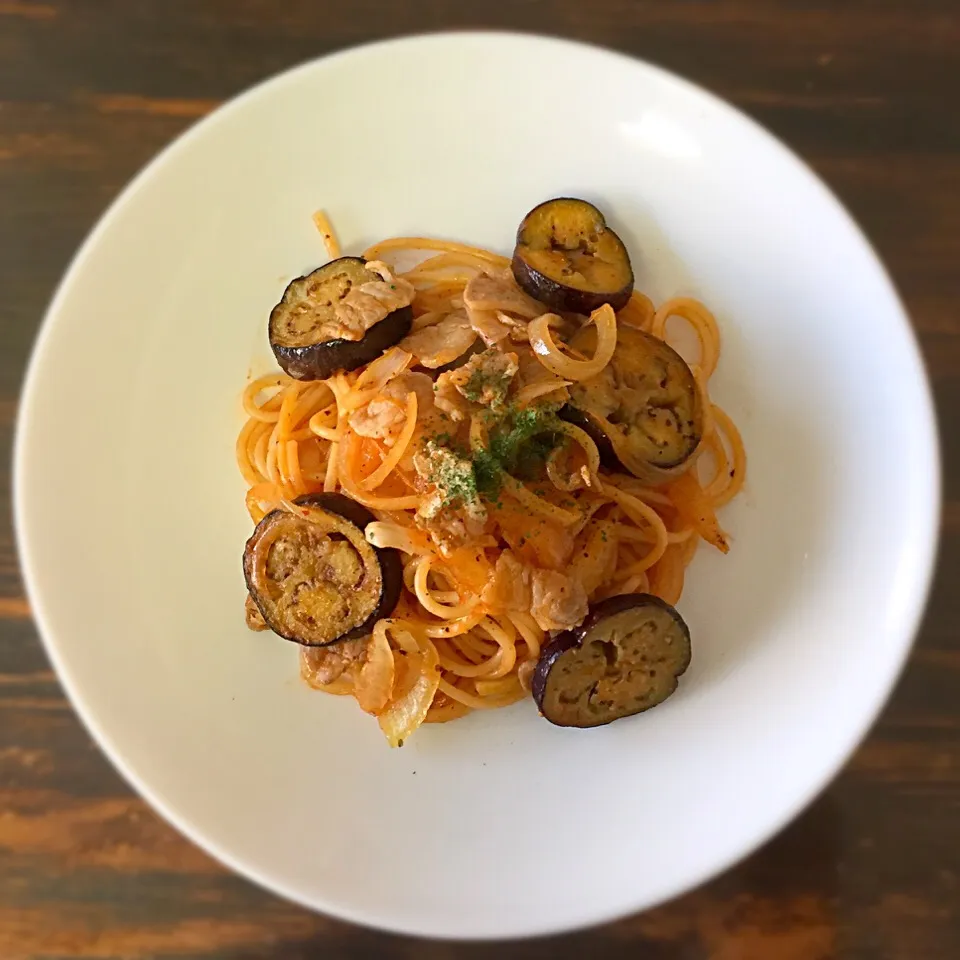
[(865, 90)]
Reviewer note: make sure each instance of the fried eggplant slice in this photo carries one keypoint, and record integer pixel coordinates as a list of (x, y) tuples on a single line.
[(338, 317), (569, 259), (625, 658), (644, 410), (314, 577)]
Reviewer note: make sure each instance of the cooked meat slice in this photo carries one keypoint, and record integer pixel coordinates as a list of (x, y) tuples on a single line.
[(323, 665), (442, 342), (488, 324), (489, 292), (510, 587), (384, 416), (558, 603), (451, 527), (484, 379), (452, 514), (368, 303), (450, 400)]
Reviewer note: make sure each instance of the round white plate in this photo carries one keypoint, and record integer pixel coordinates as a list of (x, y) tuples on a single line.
[(131, 521)]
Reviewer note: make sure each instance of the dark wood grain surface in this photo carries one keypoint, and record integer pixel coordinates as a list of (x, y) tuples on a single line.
[(865, 90)]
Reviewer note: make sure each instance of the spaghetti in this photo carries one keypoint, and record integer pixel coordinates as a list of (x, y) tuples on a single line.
[(497, 554)]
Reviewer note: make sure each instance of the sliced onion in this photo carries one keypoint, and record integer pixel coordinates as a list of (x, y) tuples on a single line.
[(402, 717), (376, 376), (375, 680), (558, 363)]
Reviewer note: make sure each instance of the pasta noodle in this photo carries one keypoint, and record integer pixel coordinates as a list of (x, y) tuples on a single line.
[(467, 631)]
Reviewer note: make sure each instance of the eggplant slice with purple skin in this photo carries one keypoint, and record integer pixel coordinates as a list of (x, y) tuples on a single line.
[(569, 259), (314, 577), (624, 658), (307, 332), (644, 410)]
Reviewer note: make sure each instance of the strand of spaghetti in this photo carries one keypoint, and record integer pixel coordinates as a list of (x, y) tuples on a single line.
[(700, 319), (473, 645), (720, 475), (639, 311), (283, 468), (527, 627), (410, 571), (631, 584), (589, 508), (247, 468), (696, 509), (255, 388), (463, 668), (738, 469), (285, 419), (417, 275), (320, 423), (454, 628), (666, 578), (457, 650), (536, 504), (469, 700), (397, 450), (428, 243), (448, 260), (501, 689), (637, 489), (701, 380), (446, 710), (293, 467), (641, 513), (314, 397), (549, 354), (259, 439), (506, 639), (646, 535), (322, 224), (260, 449), (331, 476), (273, 472), (422, 589), (687, 549)]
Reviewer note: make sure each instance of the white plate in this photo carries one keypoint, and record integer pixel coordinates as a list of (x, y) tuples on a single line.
[(131, 521)]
